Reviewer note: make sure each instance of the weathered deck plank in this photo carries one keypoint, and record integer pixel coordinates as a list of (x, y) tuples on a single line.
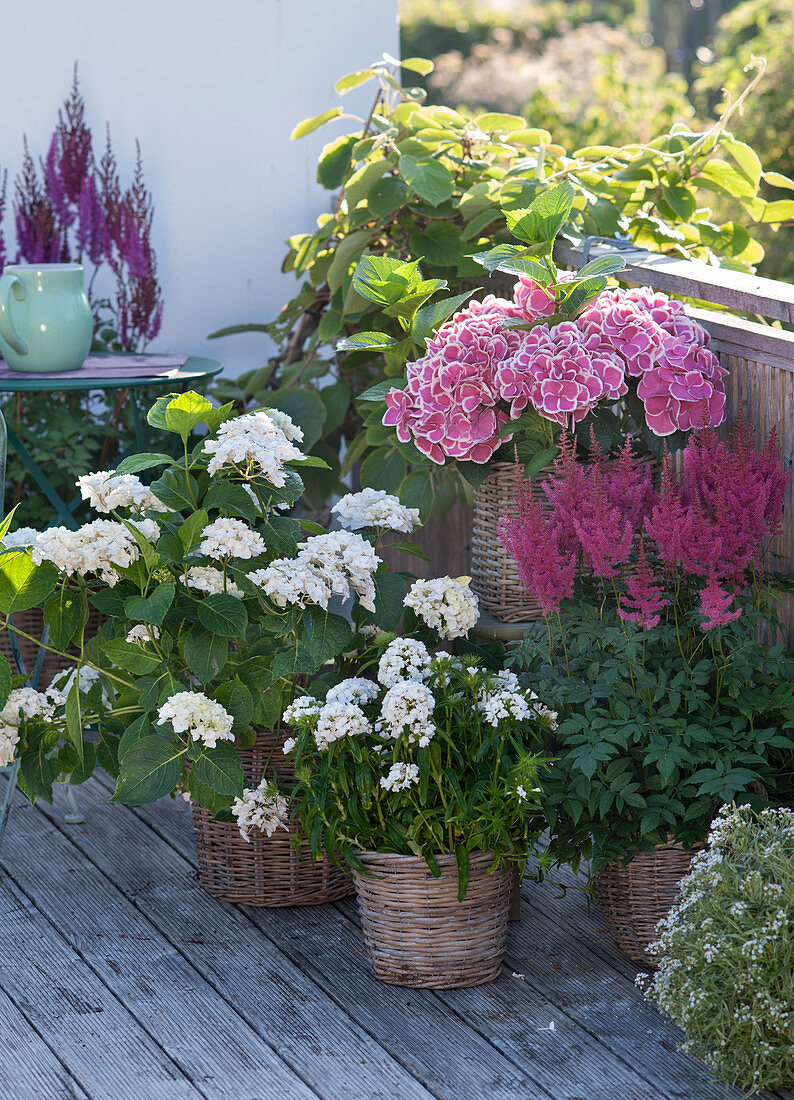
[(84, 1025), (27, 1065), (183, 1014), (259, 983)]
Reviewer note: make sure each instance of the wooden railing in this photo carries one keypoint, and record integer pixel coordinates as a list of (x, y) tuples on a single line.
[(760, 382)]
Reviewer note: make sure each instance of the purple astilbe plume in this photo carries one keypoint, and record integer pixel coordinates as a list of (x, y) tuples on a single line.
[(643, 599), (715, 603), (3, 192), (566, 490), (546, 569), (39, 239), (604, 532), (90, 231)]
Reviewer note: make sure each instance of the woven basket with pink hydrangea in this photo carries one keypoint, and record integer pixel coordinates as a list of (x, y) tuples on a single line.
[(502, 378)]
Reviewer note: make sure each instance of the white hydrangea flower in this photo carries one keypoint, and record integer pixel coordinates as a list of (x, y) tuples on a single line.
[(400, 777), (445, 604), (370, 631), (408, 707), (403, 659), (22, 537), (338, 720), (23, 702), (230, 538), (209, 579), (256, 442), (106, 491), (100, 547), (193, 712), (326, 565), (61, 684), (144, 632), (302, 707), (262, 808), (375, 508), (355, 690)]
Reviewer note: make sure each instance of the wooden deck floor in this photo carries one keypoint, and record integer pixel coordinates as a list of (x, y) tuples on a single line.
[(122, 979)]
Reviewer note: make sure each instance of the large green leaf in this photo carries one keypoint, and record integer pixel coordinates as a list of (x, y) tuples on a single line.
[(205, 654), (38, 773), (309, 124), (133, 464), (390, 591), (176, 489), (383, 468), (335, 160), (237, 700), (149, 770), (135, 731), (431, 180), (367, 341), (129, 656), (429, 317), (74, 717), (185, 412), (223, 614), (219, 769), (22, 584), (231, 499), (327, 635), (64, 613), (151, 609), (5, 681), (440, 244)]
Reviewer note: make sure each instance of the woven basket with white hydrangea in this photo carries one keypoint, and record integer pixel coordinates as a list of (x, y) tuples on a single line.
[(419, 771), (218, 607)]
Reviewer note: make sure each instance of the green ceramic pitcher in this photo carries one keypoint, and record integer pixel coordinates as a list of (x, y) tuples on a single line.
[(45, 319)]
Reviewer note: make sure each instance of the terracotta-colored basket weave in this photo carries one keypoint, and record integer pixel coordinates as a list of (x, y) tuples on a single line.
[(32, 622), (417, 932), (263, 871), (634, 898), (494, 575)]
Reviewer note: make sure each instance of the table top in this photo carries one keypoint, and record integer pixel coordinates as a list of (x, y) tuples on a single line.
[(109, 372)]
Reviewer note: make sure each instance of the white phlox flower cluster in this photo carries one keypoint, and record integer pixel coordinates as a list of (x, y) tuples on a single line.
[(541, 710), (305, 706), (408, 708), (100, 547), (261, 808), (230, 538), (206, 578), (144, 632), (497, 706), (403, 659), (445, 604), (355, 690), (375, 508), (107, 491), (338, 720), (256, 442), (194, 713), (22, 537), (326, 565), (400, 777), (23, 702)]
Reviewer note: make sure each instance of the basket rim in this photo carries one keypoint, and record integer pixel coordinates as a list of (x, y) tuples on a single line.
[(443, 859)]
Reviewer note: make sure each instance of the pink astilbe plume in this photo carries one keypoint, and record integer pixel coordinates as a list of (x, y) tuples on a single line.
[(546, 569), (604, 532), (715, 603), (643, 599), (629, 486), (566, 490)]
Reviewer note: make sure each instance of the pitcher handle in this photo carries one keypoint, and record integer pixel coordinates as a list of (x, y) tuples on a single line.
[(11, 283)]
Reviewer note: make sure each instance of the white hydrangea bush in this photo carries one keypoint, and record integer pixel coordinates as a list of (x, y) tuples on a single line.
[(725, 953), (219, 606)]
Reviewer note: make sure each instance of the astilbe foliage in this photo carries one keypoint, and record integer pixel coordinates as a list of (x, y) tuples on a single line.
[(72, 207)]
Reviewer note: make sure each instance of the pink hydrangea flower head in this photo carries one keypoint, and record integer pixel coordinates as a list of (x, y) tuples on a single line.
[(532, 299), (629, 329), (683, 389)]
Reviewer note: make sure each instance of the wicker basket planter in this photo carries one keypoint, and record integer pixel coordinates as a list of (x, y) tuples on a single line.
[(634, 898), (263, 871), (494, 574), (417, 932)]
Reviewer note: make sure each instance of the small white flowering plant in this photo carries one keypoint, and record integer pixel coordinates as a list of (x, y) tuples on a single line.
[(726, 951), (421, 753), (219, 607)]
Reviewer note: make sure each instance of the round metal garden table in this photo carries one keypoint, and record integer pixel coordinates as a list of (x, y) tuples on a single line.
[(104, 372)]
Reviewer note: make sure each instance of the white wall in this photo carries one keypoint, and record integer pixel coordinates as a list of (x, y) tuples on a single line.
[(212, 89)]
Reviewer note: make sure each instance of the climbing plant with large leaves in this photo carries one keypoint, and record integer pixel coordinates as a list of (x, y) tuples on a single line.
[(438, 186), (182, 616)]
